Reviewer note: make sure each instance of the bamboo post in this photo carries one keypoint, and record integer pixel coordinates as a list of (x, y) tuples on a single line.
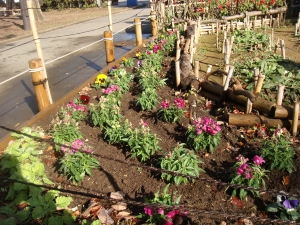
[(227, 52), (196, 68), (259, 84), (38, 44), (279, 96), (177, 69), (109, 15), (226, 69), (248, 106), (224, 41), (153, 23), (209, 67), (192, 48), (229, 75), (276, 45), (295, 118), (256, 73), (231, 44), (272, 37), (162, 14), (138, 31), (282, 46), (39, 80), (109, 47), (217, 36)]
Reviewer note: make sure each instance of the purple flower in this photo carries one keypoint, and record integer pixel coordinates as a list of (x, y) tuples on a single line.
[(148, 211), (290, 204), (139, 63), (258, 160)]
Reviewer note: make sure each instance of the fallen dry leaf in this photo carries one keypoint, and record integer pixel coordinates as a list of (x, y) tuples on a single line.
[(120, 206), (117, 195), (237, 202), (285, 180), (247, 222), (104, 217), (123, 214)]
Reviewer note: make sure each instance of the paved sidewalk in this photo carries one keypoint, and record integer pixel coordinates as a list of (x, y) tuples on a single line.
[(17, 98)]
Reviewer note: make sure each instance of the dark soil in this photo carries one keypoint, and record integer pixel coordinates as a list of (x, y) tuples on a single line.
[(207, 196)]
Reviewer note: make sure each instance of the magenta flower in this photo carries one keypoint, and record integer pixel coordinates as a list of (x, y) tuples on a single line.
[(148, 211), (258, 160), (171, 214), (165, 104), (167, 222), (240, 171), (179, 102), (248, 176)]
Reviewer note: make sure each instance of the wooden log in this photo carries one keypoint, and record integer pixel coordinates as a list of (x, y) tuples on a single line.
[(279, 96), (109, 46), (39, 80), (242, 15), (253, 120)]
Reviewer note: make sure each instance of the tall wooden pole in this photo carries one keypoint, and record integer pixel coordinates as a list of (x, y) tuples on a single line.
[(39, 80), (109, 15), (295, 118), (38, 44), (153, 23), (109, 47), (138, 31)]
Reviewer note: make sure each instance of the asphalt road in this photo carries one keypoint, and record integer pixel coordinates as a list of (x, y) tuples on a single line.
[(72, 55)]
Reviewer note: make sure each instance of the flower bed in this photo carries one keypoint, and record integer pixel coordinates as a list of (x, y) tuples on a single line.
[(138, 152)]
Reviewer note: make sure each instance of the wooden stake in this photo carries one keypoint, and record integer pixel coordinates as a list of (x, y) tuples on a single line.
[(153, 23), (217, 36), (259, 84), (224, 41), (109, 15), (295, 118), (138, 31), (276, 45), (279, 96), (229, 75), (248, 106), (282, 48), (227, 52), (196, 69), (177, 69), (226, 69), (178, 50), (109, 47), (192, 48), (38, 44), (256, 73), (39, 80)]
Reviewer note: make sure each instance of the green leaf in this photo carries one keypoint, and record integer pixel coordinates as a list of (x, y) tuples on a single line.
[(9, 221), (19, 186), (273, 207), (57, 220), (38, 212), (294, 214), (63, 201), (23, 214), (68, 219), (21, 198)]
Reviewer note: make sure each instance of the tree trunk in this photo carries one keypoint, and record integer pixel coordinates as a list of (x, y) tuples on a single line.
[(38, 14)]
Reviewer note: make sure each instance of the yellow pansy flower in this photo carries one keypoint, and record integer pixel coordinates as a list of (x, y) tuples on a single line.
[(138, 54), (101, 79), (124, 59)]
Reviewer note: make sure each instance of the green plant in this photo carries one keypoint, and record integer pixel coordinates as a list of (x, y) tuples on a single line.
[(278, 152), (248, 174), (117, 132), (181, 160), (122, 79), (27, 202), (171, 112), (150, 80), (101, 81), (127, 62), (77, 165), (76, 111), (147, 99), (204, 133), (142, 143), (162, 212), (64, 130), (287, 208)]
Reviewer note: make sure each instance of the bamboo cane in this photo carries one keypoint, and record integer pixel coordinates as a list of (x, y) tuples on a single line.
[(138, 31), (295, 118), (279, 96)]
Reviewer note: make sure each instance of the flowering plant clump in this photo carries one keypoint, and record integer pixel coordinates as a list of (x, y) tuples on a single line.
[(122, 79), (287, 207), (181, 160), (64, 130), (118, 133), (248, 174), (147, 99), (165, 209), (101, 81), (127, 62), (142, 143), (205, 132), (77, 145), (84, 99), (171, 112), (76, 111), (278, 151)]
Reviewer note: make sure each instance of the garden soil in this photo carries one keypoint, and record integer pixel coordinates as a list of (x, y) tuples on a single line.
[(206, 196)]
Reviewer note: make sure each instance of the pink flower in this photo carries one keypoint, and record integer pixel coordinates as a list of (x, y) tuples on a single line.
[(165, 104), (248, 176), (167, 222), (240, 171), (148, 211), (171, 214), (179, 102), (161, 211), (258, 160)]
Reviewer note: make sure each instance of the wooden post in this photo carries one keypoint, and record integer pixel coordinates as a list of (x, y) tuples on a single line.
[(138, 31), (178, 50), (192, 48), (38, 44), (217, 36), (279, 96), (248, 106), (295, 118), (177, 69), (260, 81), (196, 69), (39, 80), (224, 41), (226, 69), (282, 48), (231, 44), (153, 23), (229, 75), (109, 47), (276, 45), (109, 15)]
